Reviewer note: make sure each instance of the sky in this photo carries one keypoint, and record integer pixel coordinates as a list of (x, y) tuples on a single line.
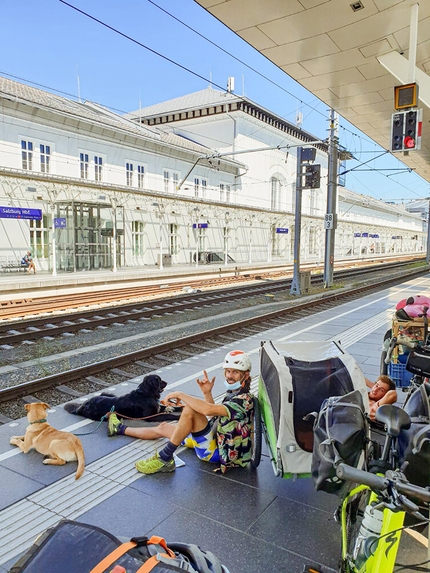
[(127, 54)]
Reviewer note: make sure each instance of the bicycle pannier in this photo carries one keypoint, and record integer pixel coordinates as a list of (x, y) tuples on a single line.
[(340, 435), (419, 361), (414, 444)]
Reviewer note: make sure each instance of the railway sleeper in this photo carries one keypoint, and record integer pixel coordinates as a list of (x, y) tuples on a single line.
[(120, 372), (69, 391)]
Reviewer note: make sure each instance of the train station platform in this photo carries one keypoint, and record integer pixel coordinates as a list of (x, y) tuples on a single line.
[(21, 283), (252, 520)]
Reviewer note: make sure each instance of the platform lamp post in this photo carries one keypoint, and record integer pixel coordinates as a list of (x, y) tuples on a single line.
[(54, 242), (160, 233), (114, 206), (227, 213), (196, 230), (428, 239), (251, 220)]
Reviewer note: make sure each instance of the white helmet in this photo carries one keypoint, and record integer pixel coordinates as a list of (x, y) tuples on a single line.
[(237, 360)]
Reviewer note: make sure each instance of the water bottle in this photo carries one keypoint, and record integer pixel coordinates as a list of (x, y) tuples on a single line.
[(367, 539)]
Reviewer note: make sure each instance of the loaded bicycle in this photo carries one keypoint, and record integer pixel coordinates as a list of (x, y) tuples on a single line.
[(372, 513)]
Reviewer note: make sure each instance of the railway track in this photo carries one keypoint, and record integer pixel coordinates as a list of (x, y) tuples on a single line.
[(20, 308), (34, 329), (63, 386)]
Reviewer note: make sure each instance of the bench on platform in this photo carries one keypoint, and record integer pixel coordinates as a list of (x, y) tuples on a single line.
[(9, 266)]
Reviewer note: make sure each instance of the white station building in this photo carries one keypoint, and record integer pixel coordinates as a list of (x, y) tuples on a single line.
[(209, 177)]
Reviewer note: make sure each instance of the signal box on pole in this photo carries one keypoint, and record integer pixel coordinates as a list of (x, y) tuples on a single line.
[(406, 127)]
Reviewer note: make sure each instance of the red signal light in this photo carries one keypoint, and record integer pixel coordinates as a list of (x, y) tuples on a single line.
[(409, 142)]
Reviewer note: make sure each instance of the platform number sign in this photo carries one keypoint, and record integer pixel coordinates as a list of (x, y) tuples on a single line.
[(328, 221)]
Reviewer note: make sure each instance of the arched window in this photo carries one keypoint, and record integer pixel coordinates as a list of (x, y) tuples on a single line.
[(275, 193)]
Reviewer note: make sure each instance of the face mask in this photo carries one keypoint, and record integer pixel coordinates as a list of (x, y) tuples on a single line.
[(234, 386)]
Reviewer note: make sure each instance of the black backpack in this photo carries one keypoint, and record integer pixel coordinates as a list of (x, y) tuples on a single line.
[(414, 444), (340, 435)]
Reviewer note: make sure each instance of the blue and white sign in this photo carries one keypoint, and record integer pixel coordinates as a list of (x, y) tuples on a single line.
[(282, 230), (200, 225), (20, 213), (357, 234), (60, 223)]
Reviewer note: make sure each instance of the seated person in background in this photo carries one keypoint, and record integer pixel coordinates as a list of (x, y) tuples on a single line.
[(224, 438), (383, 391), (27, 261)]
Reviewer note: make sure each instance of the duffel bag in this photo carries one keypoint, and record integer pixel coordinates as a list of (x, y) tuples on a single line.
[(73, 547)]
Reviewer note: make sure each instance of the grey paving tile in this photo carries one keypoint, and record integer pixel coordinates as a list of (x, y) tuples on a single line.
[(240, 552), (301, 529), (14, 486), (301, 489), (129, 513), (208, 494)]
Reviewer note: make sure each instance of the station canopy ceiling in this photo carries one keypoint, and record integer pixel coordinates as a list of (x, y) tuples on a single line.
[(342, 51)]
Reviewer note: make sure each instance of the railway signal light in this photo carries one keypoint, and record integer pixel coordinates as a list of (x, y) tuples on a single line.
[(397, 122), (406, 130), (312, 177), (411, 130)]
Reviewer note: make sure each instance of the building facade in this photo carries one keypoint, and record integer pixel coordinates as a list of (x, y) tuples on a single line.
[(179, 183)]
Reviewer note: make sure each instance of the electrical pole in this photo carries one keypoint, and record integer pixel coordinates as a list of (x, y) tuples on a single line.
[(295, 285), (428, 234), (330, 220)]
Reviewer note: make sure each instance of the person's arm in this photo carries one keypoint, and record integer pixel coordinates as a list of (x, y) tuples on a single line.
[(368, 382), (389, 398), (206, 386), (201, 406)]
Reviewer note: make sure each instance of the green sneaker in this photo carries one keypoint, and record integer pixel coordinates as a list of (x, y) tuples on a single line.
[(113, 424), (154, 465)]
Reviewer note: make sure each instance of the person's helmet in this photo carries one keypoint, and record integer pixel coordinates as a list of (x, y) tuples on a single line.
[(238, 360)]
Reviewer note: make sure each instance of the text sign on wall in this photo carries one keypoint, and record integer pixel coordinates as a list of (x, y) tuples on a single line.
[(20, 213), (281, 230), (200, 225), (60, 223)]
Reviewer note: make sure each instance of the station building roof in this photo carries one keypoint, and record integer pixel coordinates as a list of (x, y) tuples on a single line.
[(349, 54), (96, 113)]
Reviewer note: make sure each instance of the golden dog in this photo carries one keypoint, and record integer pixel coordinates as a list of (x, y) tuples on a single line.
[(60, 447)]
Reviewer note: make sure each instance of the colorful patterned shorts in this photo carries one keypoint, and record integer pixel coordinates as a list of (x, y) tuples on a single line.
[(204, 444)]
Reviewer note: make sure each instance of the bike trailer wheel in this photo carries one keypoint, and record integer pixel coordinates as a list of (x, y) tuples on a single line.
[(256, 435)]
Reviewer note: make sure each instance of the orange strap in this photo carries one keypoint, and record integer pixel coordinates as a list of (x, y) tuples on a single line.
[(156, 540), (113, 556), (122, 549)]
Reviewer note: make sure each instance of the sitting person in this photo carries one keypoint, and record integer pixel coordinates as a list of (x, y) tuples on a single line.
[(27, 261), (383, 391), (224, 439)]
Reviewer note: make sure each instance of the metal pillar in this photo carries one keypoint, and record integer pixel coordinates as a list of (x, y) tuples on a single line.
[(54, 243), (330, 221), (114, 235), (295, 285), (428, 236)]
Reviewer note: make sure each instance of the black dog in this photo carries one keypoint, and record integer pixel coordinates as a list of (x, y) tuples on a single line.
[(140, 403)]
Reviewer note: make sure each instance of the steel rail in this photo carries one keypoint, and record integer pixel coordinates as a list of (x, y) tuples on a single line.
[(90, 319), (15, 392), (19, 308)]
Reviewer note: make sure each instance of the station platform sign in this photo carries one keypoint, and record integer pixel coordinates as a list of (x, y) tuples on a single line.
[(20, 213)]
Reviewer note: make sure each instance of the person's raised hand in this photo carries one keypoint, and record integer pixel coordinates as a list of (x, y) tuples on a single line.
[(205, 384)]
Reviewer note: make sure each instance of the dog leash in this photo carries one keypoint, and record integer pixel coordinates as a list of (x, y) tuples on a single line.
[(104, 417), (169, 409)]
